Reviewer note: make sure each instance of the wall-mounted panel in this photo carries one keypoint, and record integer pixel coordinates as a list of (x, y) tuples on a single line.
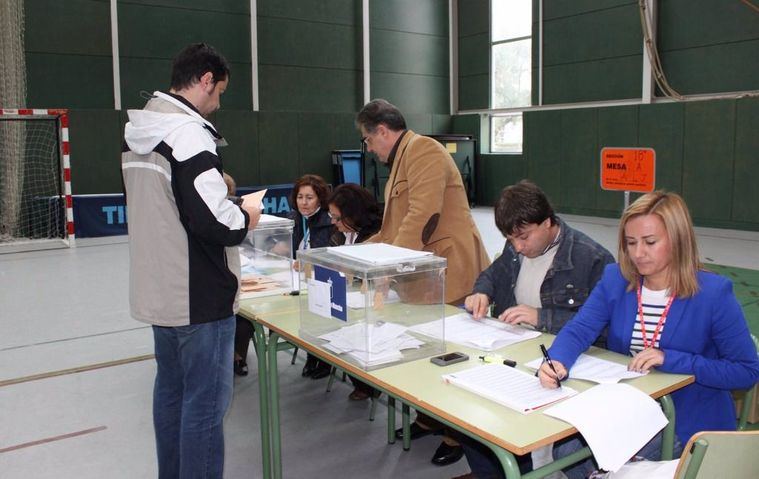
[(612, 79), (474, 54), (563, 8), (284, 88), (497, 172), (474, 17), (81, 27), (68, 81), (745, 193), (542, 148), (402, 52), (343, 12), (278, 147), (240, 158), (159, 32), (227, 6), (420, 16), (474, 92), (316, 140), (661, 127), (717, 68), (308, 44), (96, 137), (708, 159), (608, 33), (412, 93), (688, 24), (579, 158)]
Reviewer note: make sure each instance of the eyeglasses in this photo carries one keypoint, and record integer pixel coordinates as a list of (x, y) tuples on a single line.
[(336, 218)]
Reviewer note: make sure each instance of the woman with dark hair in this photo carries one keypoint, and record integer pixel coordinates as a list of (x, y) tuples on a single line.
[(356, 216), (313, 229)]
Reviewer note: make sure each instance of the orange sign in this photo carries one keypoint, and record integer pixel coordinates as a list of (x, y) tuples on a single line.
[(628, 169)]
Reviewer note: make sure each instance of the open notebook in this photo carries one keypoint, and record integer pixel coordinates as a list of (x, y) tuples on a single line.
[(508, 386)]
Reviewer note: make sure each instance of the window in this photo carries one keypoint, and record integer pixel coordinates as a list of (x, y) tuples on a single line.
[(511, 70)]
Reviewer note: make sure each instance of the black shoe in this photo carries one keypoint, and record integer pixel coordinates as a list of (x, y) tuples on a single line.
[(417, 431), (322, 370), (310, 367), (446, 454), (240, 367)]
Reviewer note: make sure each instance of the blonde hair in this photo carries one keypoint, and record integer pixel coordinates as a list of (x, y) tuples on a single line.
[(684, 265)]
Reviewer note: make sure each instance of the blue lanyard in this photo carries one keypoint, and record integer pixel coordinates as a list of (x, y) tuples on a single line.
[(306, 233)]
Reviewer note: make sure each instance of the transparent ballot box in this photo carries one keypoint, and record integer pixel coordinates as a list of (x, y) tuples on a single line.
[(373, 304), (266, 259)]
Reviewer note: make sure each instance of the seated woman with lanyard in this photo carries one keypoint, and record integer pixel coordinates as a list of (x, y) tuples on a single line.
[(356, 216), (666, 312), (312, 229)]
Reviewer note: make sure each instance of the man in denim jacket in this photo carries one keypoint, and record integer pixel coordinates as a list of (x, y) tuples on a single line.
[(543, 276), (546, 270)]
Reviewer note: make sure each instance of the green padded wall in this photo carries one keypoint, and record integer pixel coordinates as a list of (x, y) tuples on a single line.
[(474, 54), (310, 75), (409, 54)]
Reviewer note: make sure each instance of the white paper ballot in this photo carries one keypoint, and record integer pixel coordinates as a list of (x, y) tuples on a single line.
[(378, 253), (319, 298), (256, 198), (595, 369), (484, 334), (616, 420), (508, 386)]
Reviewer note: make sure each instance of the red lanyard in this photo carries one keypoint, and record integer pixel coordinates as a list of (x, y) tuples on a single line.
[(643, 322)]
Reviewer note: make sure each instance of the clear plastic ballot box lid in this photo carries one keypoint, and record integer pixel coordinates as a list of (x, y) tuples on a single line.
[(362, 301), (266, 259)]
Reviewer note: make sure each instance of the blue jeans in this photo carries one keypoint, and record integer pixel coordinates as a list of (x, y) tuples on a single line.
[(193, 390)]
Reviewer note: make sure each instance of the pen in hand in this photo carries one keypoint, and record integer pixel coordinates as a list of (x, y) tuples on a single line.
[(547, 359)]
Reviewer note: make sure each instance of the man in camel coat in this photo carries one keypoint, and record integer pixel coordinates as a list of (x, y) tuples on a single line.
[(426, 207)]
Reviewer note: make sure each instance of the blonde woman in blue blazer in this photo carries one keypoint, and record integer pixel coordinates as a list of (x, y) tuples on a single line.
[(668, 314)]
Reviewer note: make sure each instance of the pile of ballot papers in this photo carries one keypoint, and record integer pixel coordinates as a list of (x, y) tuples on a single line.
[(371, 344)]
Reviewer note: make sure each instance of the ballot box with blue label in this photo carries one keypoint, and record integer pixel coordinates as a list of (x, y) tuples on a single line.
[(373, 304), (266, 259)]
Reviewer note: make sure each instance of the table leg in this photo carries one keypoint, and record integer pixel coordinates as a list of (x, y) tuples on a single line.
[(390, 420), (276, 441), (668, 436), (405, 414), (259, 341)]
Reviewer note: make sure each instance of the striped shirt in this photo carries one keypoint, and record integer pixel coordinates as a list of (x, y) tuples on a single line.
[(654, 303)]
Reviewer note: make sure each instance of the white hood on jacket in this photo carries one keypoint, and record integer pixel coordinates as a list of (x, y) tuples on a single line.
[(147, 128)]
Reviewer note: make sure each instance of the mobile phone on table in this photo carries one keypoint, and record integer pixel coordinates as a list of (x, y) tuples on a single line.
[(449, 358)]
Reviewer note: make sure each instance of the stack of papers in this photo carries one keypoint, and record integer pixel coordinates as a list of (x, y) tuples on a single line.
[(484, 334), (378, 253), (601, 412), (595, 369), (508, 386), (371, 344)]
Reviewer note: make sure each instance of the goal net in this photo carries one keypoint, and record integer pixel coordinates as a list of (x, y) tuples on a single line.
[(35, 189)]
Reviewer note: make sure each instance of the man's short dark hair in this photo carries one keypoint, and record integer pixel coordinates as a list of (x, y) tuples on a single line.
[(378, 112), (193, 62), (522, 204), (358, 208)]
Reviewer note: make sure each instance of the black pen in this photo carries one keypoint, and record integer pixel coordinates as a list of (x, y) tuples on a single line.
[(547, 359)]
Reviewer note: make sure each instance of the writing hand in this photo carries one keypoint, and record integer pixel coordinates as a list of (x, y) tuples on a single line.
[(549, 379)]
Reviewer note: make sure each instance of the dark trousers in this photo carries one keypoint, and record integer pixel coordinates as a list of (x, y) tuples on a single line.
[(243, 335)]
